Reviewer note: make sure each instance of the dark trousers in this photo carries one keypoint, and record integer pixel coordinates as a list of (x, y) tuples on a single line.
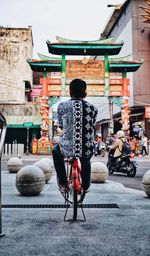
[(144, 150), (61, 170)]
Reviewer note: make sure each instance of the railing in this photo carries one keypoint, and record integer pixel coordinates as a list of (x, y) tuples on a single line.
[(2, 139), (13, 150)]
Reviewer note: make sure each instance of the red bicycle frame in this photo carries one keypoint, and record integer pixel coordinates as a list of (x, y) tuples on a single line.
[(74, 195), (75, 176)]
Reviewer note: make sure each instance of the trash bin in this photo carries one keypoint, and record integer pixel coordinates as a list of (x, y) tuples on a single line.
[(2, 140)]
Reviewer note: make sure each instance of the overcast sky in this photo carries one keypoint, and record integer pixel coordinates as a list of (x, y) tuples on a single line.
[(73, 19)]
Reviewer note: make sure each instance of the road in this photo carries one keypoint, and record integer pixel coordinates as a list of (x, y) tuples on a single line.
[(107, 231), (136, 182)]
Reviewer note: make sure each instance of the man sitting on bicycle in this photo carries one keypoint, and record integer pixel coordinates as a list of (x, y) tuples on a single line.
[(76, 118)]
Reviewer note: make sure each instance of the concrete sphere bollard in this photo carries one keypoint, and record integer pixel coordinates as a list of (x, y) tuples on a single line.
[(146, 183), (99, 172), (46, 168), (30, 180), (49, 161), (46, 159), (14, 164)]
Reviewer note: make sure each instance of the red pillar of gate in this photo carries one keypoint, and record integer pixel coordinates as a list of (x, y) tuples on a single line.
[(125, 105)]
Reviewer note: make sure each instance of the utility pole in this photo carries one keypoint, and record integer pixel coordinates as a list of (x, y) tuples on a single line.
[(111, 123)]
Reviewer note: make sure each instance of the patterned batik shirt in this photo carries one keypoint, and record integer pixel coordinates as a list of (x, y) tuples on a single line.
[(77, 119)]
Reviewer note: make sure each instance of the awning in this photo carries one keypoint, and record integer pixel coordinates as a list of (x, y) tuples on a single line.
[(22, 126)]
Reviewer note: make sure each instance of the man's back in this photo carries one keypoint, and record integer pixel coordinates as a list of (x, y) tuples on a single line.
[(77, 119)]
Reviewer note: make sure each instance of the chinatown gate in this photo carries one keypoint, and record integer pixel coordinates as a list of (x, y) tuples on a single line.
[(106, 78)]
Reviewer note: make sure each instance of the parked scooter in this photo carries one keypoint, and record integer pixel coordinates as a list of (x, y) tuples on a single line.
[(100, 149), (123, 164)]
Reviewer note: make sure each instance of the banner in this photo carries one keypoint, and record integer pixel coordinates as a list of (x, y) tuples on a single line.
[(94, 69)]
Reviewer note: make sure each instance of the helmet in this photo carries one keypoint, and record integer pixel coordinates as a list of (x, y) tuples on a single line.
[(99, 135), (120, 134)]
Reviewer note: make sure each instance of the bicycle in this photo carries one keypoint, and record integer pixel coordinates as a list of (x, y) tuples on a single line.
[(74, 194)]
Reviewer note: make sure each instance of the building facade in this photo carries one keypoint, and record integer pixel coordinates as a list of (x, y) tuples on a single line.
[(126, 24), (23, 118)]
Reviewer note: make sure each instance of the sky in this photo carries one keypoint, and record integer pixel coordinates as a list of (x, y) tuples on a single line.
[(72, 19)]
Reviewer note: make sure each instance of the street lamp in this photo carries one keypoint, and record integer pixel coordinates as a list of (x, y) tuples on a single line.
[(28, 125), (27, 149)]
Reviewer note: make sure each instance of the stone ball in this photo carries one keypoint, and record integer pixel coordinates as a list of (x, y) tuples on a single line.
[(49, 161), (30, 180), (146, 183), (46, 168), (99, 172), (14, 164)]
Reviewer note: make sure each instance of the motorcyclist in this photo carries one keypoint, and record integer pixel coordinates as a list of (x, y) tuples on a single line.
[(116, 147), (119, 159), (110, 139), (97, 142)]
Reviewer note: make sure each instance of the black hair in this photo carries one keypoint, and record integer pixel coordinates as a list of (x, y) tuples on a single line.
[(78, 88)]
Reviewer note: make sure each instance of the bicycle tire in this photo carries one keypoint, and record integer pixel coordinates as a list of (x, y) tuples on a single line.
[(75, 204)]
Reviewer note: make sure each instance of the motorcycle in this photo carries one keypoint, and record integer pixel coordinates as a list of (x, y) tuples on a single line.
[(100, 149), (122, 164)]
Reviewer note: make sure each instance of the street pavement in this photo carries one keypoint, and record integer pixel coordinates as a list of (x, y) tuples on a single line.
[(108, 230)]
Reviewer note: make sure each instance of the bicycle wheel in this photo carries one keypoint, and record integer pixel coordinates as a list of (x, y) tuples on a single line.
[(75, 204)]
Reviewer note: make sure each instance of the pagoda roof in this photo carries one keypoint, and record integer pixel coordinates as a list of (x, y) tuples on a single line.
[(124, 66), (45, 65), (47, 58), (69, 41), (84, 47)]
